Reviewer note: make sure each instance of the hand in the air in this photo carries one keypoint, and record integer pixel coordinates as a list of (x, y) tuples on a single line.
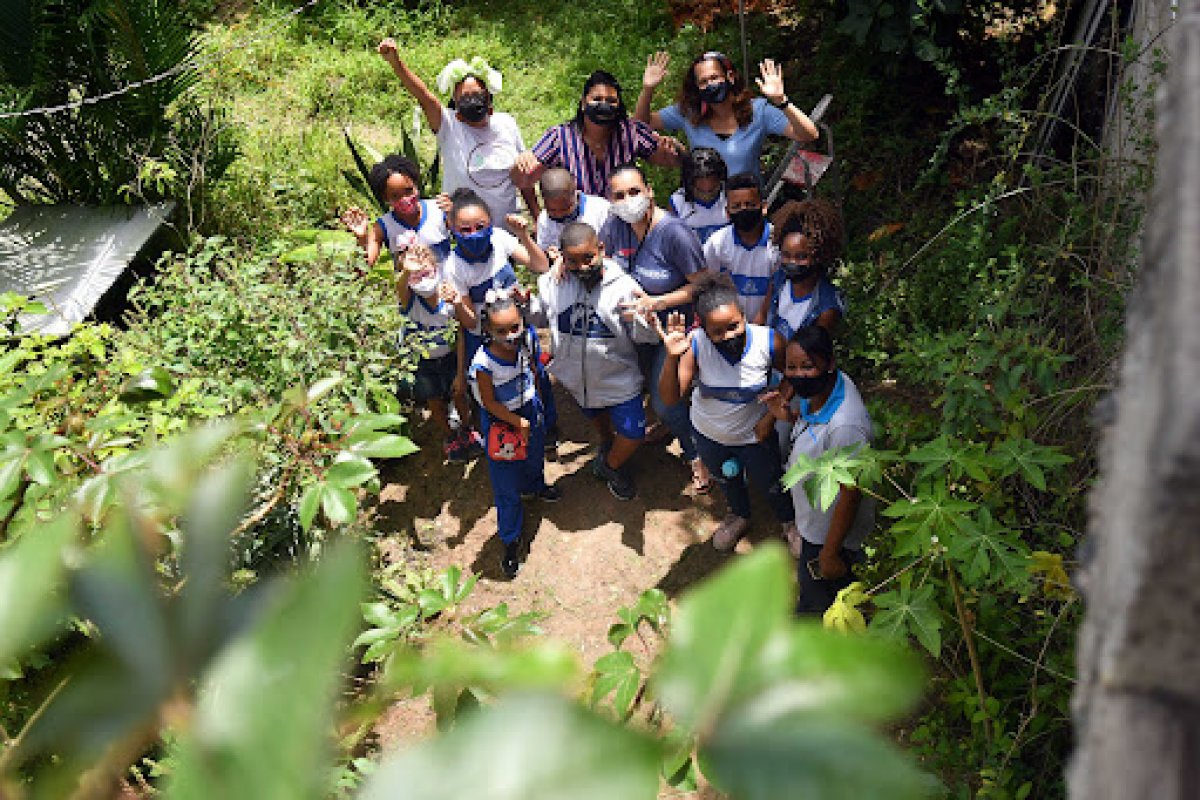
[(770, 82), (656, 69), (674, 335)]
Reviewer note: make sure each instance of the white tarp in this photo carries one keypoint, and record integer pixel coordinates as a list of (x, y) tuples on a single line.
[(67, 257)]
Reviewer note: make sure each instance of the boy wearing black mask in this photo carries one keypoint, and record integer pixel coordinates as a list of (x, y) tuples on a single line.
[(743, 249), (595, 355)]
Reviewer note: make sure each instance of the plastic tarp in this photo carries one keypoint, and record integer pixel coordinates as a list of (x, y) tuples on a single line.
[(67, 257)]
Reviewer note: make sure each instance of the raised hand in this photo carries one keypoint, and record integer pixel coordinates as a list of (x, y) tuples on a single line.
[(770, 82), (674, 335), (357, 222), (418, 258), (448, 294), (442, 201), (526, 162), (518, 224), (388, 49), (656, 69)]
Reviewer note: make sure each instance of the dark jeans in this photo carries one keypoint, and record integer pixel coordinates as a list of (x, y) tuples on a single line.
[(760, 462), (818, 594)]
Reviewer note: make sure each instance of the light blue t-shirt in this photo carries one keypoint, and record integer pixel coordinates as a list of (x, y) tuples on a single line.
[(741, 149)]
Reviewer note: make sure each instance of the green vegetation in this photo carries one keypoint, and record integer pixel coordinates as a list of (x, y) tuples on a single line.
[(140, 541)]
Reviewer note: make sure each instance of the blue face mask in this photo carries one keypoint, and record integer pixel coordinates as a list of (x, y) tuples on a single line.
[(474, 246)]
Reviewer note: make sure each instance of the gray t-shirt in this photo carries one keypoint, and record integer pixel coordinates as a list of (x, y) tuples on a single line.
[(843, 421)]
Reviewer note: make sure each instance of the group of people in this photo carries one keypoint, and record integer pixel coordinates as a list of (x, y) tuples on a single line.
[(707, 315)]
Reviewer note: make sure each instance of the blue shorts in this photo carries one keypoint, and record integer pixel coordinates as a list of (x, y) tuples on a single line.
[(628, 418)]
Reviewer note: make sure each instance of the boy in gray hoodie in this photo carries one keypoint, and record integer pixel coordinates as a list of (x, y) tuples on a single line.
[(594, 331)]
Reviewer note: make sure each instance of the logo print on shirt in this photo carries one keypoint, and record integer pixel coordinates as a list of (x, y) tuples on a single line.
[(580, 320)]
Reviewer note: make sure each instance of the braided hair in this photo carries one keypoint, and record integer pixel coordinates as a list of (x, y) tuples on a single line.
[(819, 220)]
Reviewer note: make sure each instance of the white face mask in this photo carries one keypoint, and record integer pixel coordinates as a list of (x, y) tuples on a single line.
[(426, 285), (632, 209)]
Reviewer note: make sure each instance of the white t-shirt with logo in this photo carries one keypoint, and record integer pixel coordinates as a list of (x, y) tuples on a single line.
[(750, 267), (480, 159)]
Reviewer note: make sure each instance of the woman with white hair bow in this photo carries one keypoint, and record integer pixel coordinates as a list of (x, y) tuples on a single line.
[(478, 144)]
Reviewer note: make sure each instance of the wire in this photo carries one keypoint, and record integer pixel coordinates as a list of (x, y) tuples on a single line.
[(162, 76)]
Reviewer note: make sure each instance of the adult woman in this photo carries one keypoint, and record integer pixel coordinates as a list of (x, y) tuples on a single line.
[(830, 415), (715, 109), (478, 145), (600, 138), (663, 255)]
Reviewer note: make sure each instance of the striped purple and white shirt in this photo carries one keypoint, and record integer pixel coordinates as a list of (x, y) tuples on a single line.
[(563, 146)]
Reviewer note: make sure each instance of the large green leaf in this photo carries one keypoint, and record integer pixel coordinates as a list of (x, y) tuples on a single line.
[(31, 586), (261, 729), (718, 632), (528, 747)]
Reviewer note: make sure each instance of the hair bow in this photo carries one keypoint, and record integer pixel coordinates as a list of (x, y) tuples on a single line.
[(493, 296), (458, 70)]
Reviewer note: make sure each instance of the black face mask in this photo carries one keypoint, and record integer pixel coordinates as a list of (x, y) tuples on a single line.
[(732, 348), (472, 107), (807, 387), (715, 93), (602, 112), (746, 219), (590, 275), (798, 272)]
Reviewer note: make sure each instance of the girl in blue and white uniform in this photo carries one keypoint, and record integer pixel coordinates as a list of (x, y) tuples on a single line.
[(504, 379), (730, 363), (700, 201), (808, 238), (395, 181)]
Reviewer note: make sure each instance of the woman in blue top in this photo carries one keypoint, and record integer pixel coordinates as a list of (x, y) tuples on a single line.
[(715, 109), (663, 255)]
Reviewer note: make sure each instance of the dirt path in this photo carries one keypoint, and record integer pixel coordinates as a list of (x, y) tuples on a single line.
[(588, 554)]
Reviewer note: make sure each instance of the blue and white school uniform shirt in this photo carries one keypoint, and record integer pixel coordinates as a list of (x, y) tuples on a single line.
[(513, 382), (429, 319), (473, 278), (591, 209), (842, 421), (789, 312), (704, 218), (430, 231), (725, 405), (751, 266)]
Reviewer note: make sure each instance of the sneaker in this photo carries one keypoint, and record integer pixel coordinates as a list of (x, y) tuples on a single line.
[(509, 562), (727, 534), (791, 535), (619, 484), (456, 449), (547, 494)]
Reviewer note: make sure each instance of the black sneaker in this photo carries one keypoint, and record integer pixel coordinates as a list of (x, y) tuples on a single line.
[(509, 562), (621, 487), (547, 494)]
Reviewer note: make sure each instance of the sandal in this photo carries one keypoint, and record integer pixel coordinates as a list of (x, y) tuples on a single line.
[(701, 479)]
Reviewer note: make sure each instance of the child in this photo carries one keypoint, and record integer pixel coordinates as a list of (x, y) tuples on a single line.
[(730, 362), (435, 382), (595, 349), (829, 414), (482, 259), (504, 380), (700, 201), (808, 236), (563, 203), (396, 182), (744, 250)]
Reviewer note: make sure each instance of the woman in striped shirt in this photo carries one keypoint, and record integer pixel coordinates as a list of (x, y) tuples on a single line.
[(600, 138)]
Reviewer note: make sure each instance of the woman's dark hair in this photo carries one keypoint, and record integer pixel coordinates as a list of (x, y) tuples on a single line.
[(693, 108), (816, 341), (715, 291), (465, 198), (703, 162), (599, 78), (392, 165), (819, 220), (629, 166)]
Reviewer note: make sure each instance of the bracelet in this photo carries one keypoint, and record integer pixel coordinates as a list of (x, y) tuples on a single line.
[(784, 103)]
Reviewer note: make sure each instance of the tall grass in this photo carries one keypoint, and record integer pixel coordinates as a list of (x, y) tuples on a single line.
[(292, 88)]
